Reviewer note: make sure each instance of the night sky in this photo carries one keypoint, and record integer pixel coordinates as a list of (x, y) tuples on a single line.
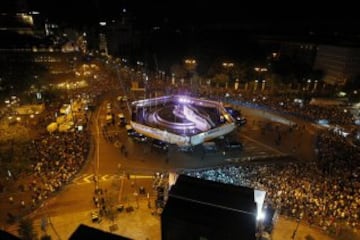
[(197, 11), (205, 28)]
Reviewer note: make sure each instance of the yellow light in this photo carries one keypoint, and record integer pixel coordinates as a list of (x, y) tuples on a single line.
[(190, 61)]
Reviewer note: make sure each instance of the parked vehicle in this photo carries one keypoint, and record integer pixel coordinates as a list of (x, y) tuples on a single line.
[(209, 147), (158, 144), (138, 137), (233, 144), (130, 130)]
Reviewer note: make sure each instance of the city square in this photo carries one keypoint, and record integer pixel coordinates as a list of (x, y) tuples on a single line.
[(95, 130)]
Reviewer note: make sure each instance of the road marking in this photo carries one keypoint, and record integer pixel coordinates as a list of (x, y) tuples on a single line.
[(89, 178), (264, 145), (141, 176)]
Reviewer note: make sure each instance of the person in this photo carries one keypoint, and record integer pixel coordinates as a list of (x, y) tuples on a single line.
[(149, 202), (141, 190), (122, 148)]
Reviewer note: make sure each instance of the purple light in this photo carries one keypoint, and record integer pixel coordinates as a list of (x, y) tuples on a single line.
[(184, 100)]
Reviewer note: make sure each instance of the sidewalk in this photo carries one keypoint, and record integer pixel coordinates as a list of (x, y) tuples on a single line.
[(142, 224), (138, 224), (284, 229)]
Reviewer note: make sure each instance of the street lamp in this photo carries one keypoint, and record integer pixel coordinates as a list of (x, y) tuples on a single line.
[(161, 75), (190, 61), (259, 70), (190, 66), (297, 226), (315, 85), (172, 78), (255, 84), (263, 85), (228, 66), (236, 86), (308, 84)]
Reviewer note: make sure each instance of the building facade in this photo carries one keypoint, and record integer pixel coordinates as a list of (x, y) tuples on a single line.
[(339, 64)]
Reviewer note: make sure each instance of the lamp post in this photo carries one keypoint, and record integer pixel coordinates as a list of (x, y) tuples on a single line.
[(236, 86), (259, 70), (263, 85), (172, 78), (228, 66), (162, 75), (190, 65), (297, 226), (255, 84), (308, 84), (315, 85)]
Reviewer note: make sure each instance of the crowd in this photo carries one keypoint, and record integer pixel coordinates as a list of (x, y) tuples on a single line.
[(324, 192), (305, 110), (299, 191), (59, 157), (56, 157)]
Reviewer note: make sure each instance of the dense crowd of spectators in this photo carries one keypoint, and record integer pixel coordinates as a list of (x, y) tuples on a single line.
[(324, 192), (299, 190), (334, 114), (59, 157)]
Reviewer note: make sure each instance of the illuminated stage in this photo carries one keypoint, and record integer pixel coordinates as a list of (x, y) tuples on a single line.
[(181, 120)]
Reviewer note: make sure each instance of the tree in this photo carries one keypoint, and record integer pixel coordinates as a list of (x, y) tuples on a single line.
[(276, 82), (352, 84), (317, 74), (291, 69), (178, 70), (232, 69), (221, 79), (240, 71), (352, 88), (26, 229)]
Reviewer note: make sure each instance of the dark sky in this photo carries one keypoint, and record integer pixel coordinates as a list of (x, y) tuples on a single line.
[(197, 11), (219, 25)]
